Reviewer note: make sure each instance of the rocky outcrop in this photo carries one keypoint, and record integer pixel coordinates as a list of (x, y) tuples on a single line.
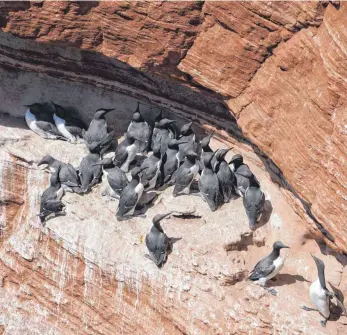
[(86, 272), (268, 77), (277, 65)]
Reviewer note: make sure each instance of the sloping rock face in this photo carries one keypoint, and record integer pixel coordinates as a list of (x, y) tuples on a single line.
[(277, 65), (86, 272), (268, 77)]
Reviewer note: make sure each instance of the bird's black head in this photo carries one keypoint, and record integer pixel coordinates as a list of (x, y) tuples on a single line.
[(106, 162), (191, 155), (207, 159), (59, 110), (101, 112), (35, 108), (279, 245), (49, 160), (221, 153), (137, 117), (186, 129), (253, 182), (205, 142), (237, 160), (156, 220), (135, 172), (159, 116)]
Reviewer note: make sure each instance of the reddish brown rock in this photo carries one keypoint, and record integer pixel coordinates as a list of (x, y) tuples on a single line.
[(279, 66)]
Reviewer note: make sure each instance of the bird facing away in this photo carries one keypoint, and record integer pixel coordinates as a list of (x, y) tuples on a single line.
[(225, 175), (140, 131), (205, 147), (253, 202), (89, 172), (68, 175), (268, 267), (116, 178), (170, 161), (68, 125), (208, 184), (186, 173), (162, 133), (131, 194), (40, 120), (96, 138), (152, 166), (187, 139), (157, 242), (320, 296), (242, 174), (50, 200)]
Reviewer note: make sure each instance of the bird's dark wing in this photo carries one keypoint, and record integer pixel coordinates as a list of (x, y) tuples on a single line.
[(74, 130), (127, 201), (53, 206), (49, 128), (262, 269), (117, 179), (253, 198), (157, 246)]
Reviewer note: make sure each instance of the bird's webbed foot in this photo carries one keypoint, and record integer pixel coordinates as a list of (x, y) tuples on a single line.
[(308, 309), (323, 323), (272, 291)]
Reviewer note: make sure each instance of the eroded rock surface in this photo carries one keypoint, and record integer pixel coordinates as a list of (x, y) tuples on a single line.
[(86, 273), (277, 68), (278, 65)]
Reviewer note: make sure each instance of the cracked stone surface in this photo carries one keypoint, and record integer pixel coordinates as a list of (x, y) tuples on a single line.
[(276, 68), (86, 273)]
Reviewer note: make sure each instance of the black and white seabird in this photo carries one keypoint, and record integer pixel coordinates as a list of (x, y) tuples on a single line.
[(209, 184), (205, 147), (50, 199), (320, 296), (242, 174), (225, 175), (162, 133), (158, 243), (126, 153), (140, 130), (40, 120), (69, 126), (170, 162), (96, 138), (187, 138), (151, 166), (131, 194), (253, 201), (68, 175), (90, 172), (268, 267), (116, 178), (186, 173)]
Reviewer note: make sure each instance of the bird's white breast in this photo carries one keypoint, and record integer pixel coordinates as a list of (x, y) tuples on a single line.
[(194, 169), (60, 123), (138, 190), (319, 298), (278, 262), (30, 119)]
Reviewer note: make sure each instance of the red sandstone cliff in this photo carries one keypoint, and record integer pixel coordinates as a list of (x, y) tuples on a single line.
[(279, 67)]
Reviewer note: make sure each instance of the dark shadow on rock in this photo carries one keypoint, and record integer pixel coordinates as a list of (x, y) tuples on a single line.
[(287, 279), (245, 242)]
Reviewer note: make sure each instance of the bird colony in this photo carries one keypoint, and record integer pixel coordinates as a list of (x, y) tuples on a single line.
[(154, 158)]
